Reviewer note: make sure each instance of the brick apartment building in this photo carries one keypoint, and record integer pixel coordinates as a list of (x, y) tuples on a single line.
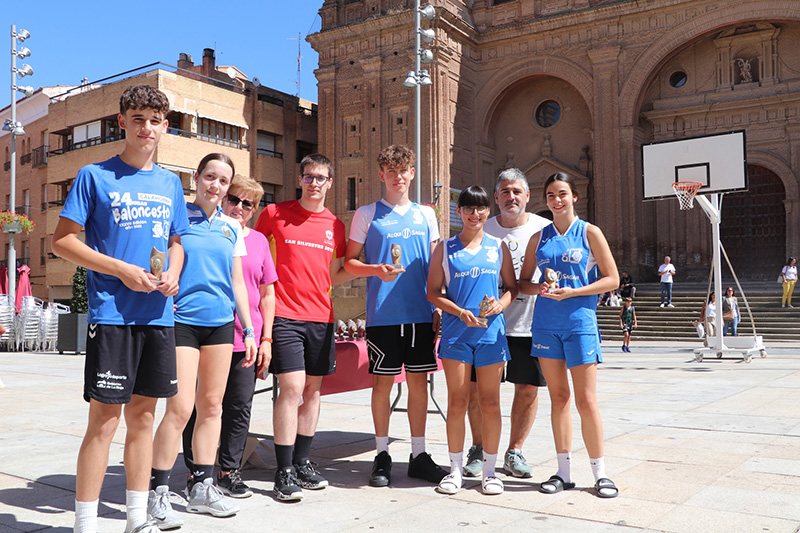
[(213, 109), (577, 86)]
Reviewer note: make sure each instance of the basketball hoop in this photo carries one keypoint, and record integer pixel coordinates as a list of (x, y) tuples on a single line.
[(685, 191)]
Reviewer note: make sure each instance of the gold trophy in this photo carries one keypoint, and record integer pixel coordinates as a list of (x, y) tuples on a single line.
[(486, 303), (156, 265), (551, 276), (397, 256)]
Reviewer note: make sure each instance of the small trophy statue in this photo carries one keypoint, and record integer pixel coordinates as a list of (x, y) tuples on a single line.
[(551, 276), (486, 303), (397, 256), (156, 265)]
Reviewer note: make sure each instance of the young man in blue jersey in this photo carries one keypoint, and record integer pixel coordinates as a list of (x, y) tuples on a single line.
[(127, 206), (401, 324)]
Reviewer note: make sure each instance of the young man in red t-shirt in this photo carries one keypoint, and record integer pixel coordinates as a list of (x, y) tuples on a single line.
[(308, 244)]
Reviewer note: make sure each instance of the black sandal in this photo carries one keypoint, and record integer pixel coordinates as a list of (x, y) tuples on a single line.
[(606, 484), (557, 485)]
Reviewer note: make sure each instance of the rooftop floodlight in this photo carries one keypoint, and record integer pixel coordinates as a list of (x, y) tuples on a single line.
[(424, 78), (22, 35), (7, 125), (427, 35), (428, 12), (27, 90), (426, 56), (411, 80), (26, 70), (18, 130), (22, 53)]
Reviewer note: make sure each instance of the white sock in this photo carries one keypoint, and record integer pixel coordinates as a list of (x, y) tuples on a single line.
[(136, 505), (598, 467), (564, 466), (417, 446), (86, 516), (489, 461), (456, 463), (382, 444)]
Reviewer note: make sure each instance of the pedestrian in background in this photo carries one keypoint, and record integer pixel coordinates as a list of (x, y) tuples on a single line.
[(789, 274), (666, 271), (627, 322)]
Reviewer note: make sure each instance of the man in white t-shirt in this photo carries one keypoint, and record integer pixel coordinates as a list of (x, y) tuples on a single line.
[(666, 271), (515, 226)]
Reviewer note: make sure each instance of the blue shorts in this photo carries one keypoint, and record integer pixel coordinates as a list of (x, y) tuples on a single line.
[(477, 355), (575, 348)]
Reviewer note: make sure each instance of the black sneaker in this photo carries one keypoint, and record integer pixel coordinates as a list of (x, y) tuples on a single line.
[(285, 487), (423, 467), (381, 470), (232, 485), (308, 477)]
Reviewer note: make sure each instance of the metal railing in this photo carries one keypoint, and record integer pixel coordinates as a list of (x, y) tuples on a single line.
[(87, 143), (271, 153), (207, 138), (40, 156), (7, 165), (25, 159)]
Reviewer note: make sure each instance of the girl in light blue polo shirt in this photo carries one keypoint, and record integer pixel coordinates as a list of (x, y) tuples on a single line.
[(469, 268)]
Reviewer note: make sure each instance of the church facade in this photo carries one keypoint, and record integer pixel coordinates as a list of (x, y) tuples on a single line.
[(576, 86)]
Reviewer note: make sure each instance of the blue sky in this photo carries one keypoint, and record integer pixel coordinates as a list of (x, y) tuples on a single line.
[(95, 39)]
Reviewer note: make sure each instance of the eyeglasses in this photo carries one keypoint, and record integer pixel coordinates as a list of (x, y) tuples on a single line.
[(470, 209), (311, 178), (235, 200)]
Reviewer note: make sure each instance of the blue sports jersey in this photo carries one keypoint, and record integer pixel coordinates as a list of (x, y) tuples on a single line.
[(469, 276), (205, 297), (404, 300), (126, 212), (569, 255)]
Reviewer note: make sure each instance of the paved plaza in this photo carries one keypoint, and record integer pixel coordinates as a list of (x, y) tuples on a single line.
[(710, 446)]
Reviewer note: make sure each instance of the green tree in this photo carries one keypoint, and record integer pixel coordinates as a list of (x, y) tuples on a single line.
[(80, 301)]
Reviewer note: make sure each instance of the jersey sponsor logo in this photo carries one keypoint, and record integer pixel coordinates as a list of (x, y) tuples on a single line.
[(328, 234), (491, 255), (541, 346), (388, 221), (405, 234), (107, 380), (474, 272), (226, 230), (418, 217), (572, 255), (147, 197), (325, 246)]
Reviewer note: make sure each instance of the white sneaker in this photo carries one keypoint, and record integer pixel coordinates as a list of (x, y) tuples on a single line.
[(160, 509), (205, 497), (148, 527), (662, 305), (670, 305)]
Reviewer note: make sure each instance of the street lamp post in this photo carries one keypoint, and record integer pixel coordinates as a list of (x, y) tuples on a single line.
[(417, 78), (15, 129)]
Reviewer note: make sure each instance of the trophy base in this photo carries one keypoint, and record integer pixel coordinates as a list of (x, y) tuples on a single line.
[(397, 265), (155, 281), (481, 320)]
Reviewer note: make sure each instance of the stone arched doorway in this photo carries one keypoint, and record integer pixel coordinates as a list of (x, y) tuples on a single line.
[(753, 228)]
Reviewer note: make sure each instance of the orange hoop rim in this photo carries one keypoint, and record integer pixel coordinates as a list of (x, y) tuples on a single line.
[(687, 186)]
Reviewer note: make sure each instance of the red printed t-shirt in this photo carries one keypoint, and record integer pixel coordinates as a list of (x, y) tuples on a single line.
[(303, 245)]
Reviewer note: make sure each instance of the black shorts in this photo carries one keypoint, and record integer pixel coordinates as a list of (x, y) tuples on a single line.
[(197, 336), (627, 328), (390, 347), (523, 368), (126, 360), (299, 345)]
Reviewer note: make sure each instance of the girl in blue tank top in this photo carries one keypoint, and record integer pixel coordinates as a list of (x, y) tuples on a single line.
[(469, 268), (564, 333)]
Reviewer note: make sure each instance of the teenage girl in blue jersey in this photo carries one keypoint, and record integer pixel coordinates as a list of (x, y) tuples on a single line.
[(211, 285), (467, 268), (564, 332)]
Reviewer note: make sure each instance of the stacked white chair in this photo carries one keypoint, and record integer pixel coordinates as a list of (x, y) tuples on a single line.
[(28, 322), (7, 319), (49, 327)]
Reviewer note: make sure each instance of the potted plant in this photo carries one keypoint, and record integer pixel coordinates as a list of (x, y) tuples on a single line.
[(15, 223), (72, 327)]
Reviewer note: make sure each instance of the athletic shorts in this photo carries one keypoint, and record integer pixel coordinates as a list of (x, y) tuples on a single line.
[(575, 348), (390, 347), (522, 368), (627, 328), (477, 355), (299, 345), (197, 336), (126, 360)]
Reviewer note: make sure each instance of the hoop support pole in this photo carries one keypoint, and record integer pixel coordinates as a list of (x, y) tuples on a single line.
[(711, 211)]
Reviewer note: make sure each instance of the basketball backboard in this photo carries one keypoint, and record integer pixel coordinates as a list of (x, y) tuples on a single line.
[(717, 161)]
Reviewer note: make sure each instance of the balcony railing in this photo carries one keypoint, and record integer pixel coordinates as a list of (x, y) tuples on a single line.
[(271, 153), (207, 138), (87, 143), (40, 156), (55, 203), (7, 165), (25, 159)]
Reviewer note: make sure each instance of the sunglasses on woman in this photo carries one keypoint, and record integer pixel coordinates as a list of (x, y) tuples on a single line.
[(235, 200)]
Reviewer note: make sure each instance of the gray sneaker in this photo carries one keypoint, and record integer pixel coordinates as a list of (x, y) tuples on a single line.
[(516, 465), (474, 466), (205, 497), (148, 527), (160, 509)]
